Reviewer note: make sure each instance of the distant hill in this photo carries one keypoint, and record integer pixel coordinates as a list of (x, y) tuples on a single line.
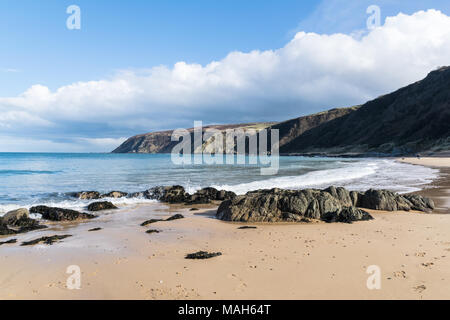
[(413, 119)]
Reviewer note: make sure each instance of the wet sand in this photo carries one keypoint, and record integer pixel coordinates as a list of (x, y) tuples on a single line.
[(274, 261)]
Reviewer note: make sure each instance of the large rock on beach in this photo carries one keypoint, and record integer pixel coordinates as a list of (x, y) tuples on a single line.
[(390, 201), (59, 214), (330, 205), (18, 221)]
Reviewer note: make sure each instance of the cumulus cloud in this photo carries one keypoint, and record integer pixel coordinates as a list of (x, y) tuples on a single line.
[(312, 72)]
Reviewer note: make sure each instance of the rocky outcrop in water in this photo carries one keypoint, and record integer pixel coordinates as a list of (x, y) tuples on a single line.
[(101, 205), (59, 214), (330, 205), (18, 221), (114, 194), (86, 195)]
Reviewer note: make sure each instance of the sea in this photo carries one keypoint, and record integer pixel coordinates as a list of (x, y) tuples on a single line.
[(28, 179)]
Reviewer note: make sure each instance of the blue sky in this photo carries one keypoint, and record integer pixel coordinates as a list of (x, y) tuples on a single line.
[(121, 42)]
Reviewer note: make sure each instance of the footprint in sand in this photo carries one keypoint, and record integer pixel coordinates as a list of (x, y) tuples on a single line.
[(400, 274), (421, 254), (427, 264), (420, 288)]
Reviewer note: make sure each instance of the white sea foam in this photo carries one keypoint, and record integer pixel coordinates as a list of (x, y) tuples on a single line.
[(361, 175), (76, 204)]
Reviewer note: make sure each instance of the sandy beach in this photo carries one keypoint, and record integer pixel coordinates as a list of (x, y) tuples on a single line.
[(273, 261)]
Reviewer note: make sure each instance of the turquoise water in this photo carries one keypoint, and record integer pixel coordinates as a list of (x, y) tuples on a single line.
[(44, 178)]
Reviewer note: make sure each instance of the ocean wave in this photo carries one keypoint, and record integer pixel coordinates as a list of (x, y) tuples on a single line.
[(26, 172), (359, 176)]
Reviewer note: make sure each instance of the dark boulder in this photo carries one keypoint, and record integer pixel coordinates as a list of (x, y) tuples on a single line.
[(206, 195), (18, 221), (331, 205), (94, 229), (347, 215), (420, 203), (278, 205), (87, 195), (102, 205), (58, 214), (390, 201), (170, 194), (114, 194)]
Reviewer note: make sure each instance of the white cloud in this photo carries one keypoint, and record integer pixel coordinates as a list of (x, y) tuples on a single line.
[(310, 73)]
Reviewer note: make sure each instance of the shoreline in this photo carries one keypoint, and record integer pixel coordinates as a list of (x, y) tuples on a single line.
[(439, 189), (274, 261)]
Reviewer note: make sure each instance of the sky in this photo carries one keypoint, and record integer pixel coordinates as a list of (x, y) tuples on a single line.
[(140, 66)]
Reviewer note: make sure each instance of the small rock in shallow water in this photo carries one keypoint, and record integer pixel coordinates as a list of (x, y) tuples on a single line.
[(114, 194), (152, 231), (94, 229), (247, 227), (102, 205), (203, 255), (8, 242), (45, 240)]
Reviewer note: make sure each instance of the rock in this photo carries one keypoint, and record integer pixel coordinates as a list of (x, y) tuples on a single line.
[(8, 242), (341, 194), (420, 203), (102, 205), (18, 221), (171, 194), (87, 195), (278, 205), (12, 216), (202, 255), (175, 217), (206, 195), (194, 209), (94, 229), (45, 240), (4, 230), (331, 205), (152, 231), (347, 215), (145, 223), (390, 201), (383, 200), (58, 214), (114, 194), (246, 227)]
